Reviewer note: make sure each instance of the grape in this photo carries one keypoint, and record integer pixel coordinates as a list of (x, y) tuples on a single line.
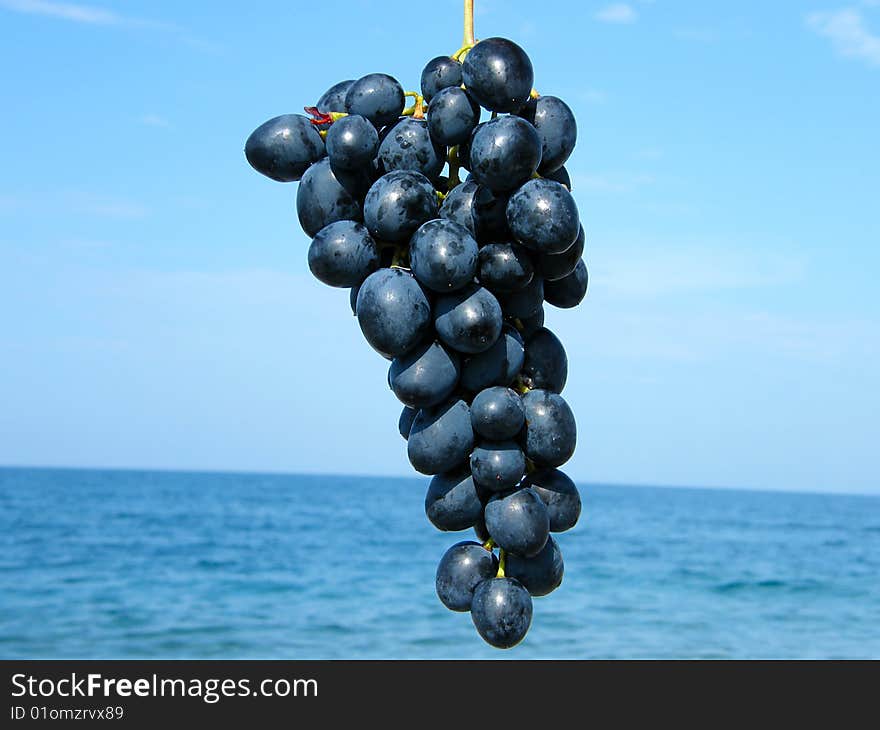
[(479, 209), (569, 291), (462, 568), (439, 73), (393, 312), (560, 496), (550, 434), (443, 255), (499, 365), (541, 574), (343, 254), (424, 376), (505, 267), (441, 438), (352, 298), (333, 100), (468, 320), (408, 146), (523, 302), (497, 413), (553, 266), (546, 364), (505, 153), (502, 611), (490, 214), (556, 127), (352, 143), (378, 97), (532, 323), (499, 74), (498, 465), (458, 206), (454, 501), (453, 296), (480, 529), (561, 176), (321, 200), (397, 204), (518, 522), (405, 422), (284, 147), (452, 116), (543, 216)]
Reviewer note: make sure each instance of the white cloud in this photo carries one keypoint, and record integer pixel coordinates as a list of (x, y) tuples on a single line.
[(848, 34), (154, 120), (609, 182), (617, 13), (593, 96), (66, 11), (697, 35), (76, 13), (630, 273)]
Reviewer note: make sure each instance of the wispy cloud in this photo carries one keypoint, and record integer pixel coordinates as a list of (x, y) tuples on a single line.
[(848, 33), (636, 272), (74, 12), (593, 96), (697, 35), (155, 120), (75, 202), (610, 182), (618, 13)]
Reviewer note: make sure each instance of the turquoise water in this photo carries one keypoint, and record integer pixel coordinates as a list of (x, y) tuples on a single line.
[(119, 564)]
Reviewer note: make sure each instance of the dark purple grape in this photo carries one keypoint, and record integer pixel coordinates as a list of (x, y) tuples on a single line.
[(439, 73), (546, 365), (543, 216), (397, 204), (443, 255), (343, 254), (505, 267), (284, 147), (553, 266), (505, 153), (352, 143), (550, 435), (464, 566), (378, 97), (556, 127), (569, 291), (499, 74), (502, 611), (452, 116), (408, 146), (424, 376), (321, 199)]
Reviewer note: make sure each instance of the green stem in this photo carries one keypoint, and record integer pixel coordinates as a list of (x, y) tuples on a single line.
[(502, 561), (469, 39)]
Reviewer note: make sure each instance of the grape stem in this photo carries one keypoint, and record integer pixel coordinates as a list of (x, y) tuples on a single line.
[(417, 110), (469, 39), (454, 166), (502, 561), (489, 544)]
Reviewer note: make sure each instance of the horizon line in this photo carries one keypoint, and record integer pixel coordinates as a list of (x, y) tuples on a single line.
[(270, 472)]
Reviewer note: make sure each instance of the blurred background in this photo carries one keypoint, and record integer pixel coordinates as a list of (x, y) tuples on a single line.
[(157, 312)]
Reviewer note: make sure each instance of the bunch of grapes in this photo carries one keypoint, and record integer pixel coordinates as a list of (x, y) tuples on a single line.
[(448, 280)]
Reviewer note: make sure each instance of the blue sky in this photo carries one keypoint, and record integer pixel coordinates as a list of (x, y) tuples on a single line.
[(156, 309)]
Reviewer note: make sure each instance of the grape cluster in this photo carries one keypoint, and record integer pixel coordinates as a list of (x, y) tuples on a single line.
[(448, 281)]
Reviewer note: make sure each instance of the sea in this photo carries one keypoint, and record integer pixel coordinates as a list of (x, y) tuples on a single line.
[(148, 564)]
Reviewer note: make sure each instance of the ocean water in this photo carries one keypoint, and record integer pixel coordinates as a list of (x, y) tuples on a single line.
[(122, 564)]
